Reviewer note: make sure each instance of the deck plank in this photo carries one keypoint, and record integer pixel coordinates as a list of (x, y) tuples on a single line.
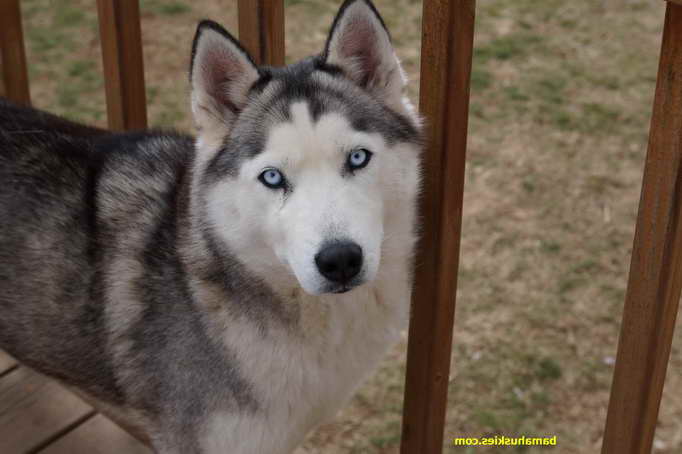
[(6, 362), (97, 436), (33, 409)]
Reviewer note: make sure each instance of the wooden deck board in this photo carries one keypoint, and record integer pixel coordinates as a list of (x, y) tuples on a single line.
[(6, 362), (34, 409), (38, 415), (97, 436)]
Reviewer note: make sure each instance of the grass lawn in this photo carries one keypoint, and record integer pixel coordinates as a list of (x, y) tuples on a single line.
[(561, 101)]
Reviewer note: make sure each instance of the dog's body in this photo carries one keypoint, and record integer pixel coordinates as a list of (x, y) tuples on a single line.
[(223, 295)]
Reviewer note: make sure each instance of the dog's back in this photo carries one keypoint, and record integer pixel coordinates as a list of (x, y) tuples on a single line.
[(57, 212), (47, 168)]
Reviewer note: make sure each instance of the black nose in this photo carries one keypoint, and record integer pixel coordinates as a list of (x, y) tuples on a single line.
[(340, 261)]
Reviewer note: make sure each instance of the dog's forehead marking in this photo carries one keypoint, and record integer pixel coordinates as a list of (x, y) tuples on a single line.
[(306, 137), (301, 120), (320, 110)]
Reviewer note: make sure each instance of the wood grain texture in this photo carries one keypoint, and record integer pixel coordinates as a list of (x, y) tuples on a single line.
[(656, 268), (14, 70), (261, 30), (447, 46), (119, 25), (34, 409), (678, 2), (98, 435)]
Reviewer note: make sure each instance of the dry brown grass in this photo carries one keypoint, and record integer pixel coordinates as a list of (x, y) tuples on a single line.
[(561, 100)]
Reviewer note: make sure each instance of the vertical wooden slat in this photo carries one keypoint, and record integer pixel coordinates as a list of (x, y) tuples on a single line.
[(15, 73), (261, 30), (656, 268), (447, 46), (119, 25)]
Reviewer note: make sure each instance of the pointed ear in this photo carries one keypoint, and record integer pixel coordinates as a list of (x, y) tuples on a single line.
[(360, 45), (221, 74)]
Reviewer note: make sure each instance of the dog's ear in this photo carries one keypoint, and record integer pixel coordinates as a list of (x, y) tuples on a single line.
[(360, 45), (221, 74)]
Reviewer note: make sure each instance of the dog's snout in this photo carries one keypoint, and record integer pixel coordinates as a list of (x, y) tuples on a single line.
[(339, 262)]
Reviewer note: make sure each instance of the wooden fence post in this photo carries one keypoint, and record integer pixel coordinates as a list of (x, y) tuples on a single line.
[(656, 267), (447, 47), (120, 32), (261, 30), (15, 73)]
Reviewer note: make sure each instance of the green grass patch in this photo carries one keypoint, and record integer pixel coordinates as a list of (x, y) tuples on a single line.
[(388, 435), (550, 246), (548, 369), (596, 118), (67, 16), (515, 94), (165, 8), (508, 47), (551, 89), (481, 79), (83, 69)]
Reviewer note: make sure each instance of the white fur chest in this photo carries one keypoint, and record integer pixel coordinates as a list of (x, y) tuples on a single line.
[(302, 378)]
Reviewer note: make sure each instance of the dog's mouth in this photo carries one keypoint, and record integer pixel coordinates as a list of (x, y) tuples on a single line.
[(338, 289)]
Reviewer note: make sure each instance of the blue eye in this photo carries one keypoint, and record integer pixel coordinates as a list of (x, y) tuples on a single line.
[(272, 178), (359, 158)]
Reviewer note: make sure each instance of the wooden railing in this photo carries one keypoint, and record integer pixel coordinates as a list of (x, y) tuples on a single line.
[(448, 29), (14, 70), (655, 281), (119, 29)]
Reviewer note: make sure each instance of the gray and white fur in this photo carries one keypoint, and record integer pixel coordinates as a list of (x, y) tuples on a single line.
[(224, 294)]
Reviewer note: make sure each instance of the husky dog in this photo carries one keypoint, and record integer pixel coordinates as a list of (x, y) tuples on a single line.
[(225, 294)]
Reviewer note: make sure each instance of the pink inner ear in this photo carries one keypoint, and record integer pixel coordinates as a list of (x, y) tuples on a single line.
[(359, 44), (219, 70)]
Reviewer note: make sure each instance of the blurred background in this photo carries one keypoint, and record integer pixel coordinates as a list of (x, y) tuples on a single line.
[(561, 100)]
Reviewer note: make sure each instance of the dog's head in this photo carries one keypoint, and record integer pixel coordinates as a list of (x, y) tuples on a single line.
[(307, 168)]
